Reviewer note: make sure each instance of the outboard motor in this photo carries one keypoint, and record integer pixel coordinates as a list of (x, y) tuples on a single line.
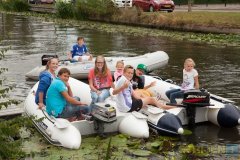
[(193, 99), (45, 58), (101, 115)]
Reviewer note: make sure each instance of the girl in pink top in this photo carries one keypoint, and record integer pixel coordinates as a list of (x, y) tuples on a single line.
[(100, 80), (119, 70)]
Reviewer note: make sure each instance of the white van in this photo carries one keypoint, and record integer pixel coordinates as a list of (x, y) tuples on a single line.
[(123, 3)]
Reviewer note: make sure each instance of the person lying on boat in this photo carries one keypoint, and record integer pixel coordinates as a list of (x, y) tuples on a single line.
[(190, 81), (45, 79), (100, 80), (79, 51), (138, 81), (60, 101), (127, 100)]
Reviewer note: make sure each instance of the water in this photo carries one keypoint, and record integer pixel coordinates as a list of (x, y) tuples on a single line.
[(29, 39)]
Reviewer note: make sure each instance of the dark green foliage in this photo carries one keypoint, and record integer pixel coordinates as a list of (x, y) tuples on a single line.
[(15, 5), (64, 10), (10, 137), (95, 8), (10, 134)]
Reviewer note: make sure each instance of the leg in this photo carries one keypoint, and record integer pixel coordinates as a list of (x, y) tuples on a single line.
[(105, 94), (175, 95), (169, 92), (153, 101), (94, 97)]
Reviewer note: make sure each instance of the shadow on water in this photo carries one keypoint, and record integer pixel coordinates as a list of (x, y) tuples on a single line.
[(218, 67)]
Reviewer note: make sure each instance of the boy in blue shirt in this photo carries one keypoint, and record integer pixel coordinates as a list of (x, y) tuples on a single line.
[(60, 102), (79, 51)]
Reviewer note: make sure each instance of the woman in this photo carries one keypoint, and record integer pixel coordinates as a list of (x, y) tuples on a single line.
[(100, 80), (60, 100), (45, 79)]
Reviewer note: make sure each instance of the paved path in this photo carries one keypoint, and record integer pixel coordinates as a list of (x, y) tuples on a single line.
[(210, 7)]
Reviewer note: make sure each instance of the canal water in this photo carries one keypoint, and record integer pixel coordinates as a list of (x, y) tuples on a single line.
[(28, 39)]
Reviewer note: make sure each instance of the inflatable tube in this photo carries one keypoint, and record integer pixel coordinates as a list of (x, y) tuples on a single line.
[(80, 70)]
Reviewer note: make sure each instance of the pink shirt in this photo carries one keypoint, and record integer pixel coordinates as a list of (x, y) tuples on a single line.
[(117, 74), (100, 82)]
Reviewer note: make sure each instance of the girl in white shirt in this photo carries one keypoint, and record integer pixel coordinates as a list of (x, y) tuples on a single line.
[(190, 81)]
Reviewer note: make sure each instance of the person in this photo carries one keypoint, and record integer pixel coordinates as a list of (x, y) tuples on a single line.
[(119, 70), (60, 102), (79, 50), (138, 81), (190, 81), (100, 80), (45, 79), (127, 100)]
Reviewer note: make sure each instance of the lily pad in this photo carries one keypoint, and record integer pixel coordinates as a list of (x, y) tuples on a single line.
[(141, 153)]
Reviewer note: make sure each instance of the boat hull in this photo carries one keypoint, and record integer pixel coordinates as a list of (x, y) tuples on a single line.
[(80, 70)]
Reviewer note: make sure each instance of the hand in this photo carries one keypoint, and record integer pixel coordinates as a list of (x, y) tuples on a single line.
[(126, 84), (152, 83), (98, 92), (40, 106)]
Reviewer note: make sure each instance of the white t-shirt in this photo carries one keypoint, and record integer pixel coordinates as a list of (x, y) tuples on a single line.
[(188, 79), (124, 98)]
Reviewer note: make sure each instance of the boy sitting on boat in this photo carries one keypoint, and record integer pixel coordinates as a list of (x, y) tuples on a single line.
[(127, 99), (79, 51), (60, 101)]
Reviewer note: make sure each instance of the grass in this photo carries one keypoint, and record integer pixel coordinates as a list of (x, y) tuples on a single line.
[(218, 19)]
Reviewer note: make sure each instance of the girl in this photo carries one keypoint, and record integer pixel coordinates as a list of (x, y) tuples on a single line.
[(119, 70), (190, 81), (45, 79), (100, 80)]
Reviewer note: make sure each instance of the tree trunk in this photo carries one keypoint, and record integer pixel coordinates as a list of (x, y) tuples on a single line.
[(189, 5)]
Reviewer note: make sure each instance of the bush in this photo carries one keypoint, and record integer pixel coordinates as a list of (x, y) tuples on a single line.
[(15, 5), (94, 9), (64, 10)]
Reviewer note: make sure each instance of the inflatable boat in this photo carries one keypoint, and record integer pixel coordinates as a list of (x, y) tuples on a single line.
[(196, 106), (80, 70), (106, 119)]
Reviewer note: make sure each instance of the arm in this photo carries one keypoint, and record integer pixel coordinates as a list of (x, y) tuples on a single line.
[(196, 82), (92, 87), (69, 55), (71, 99), (120, 89), (69, 89), (150, 85), (40, 104)]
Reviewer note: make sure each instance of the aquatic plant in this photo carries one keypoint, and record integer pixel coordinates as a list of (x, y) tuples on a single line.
[(10, 134), (15, 5)]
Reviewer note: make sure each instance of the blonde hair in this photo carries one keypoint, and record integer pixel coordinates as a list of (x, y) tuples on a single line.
[(127, 67), (120, 62), (104, 70), (189, 60), (49, 62)]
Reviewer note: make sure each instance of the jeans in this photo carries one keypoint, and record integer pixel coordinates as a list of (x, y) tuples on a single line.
[(101, 97), (173, 94), (71, 110)]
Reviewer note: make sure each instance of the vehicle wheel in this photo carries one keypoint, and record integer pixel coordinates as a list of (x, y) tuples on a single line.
[(170, 11), (151, 9)]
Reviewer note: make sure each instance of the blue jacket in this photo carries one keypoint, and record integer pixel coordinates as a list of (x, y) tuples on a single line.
[(45, 79)]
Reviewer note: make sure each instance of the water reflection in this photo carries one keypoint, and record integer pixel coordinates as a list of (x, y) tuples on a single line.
[(218, 67)]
